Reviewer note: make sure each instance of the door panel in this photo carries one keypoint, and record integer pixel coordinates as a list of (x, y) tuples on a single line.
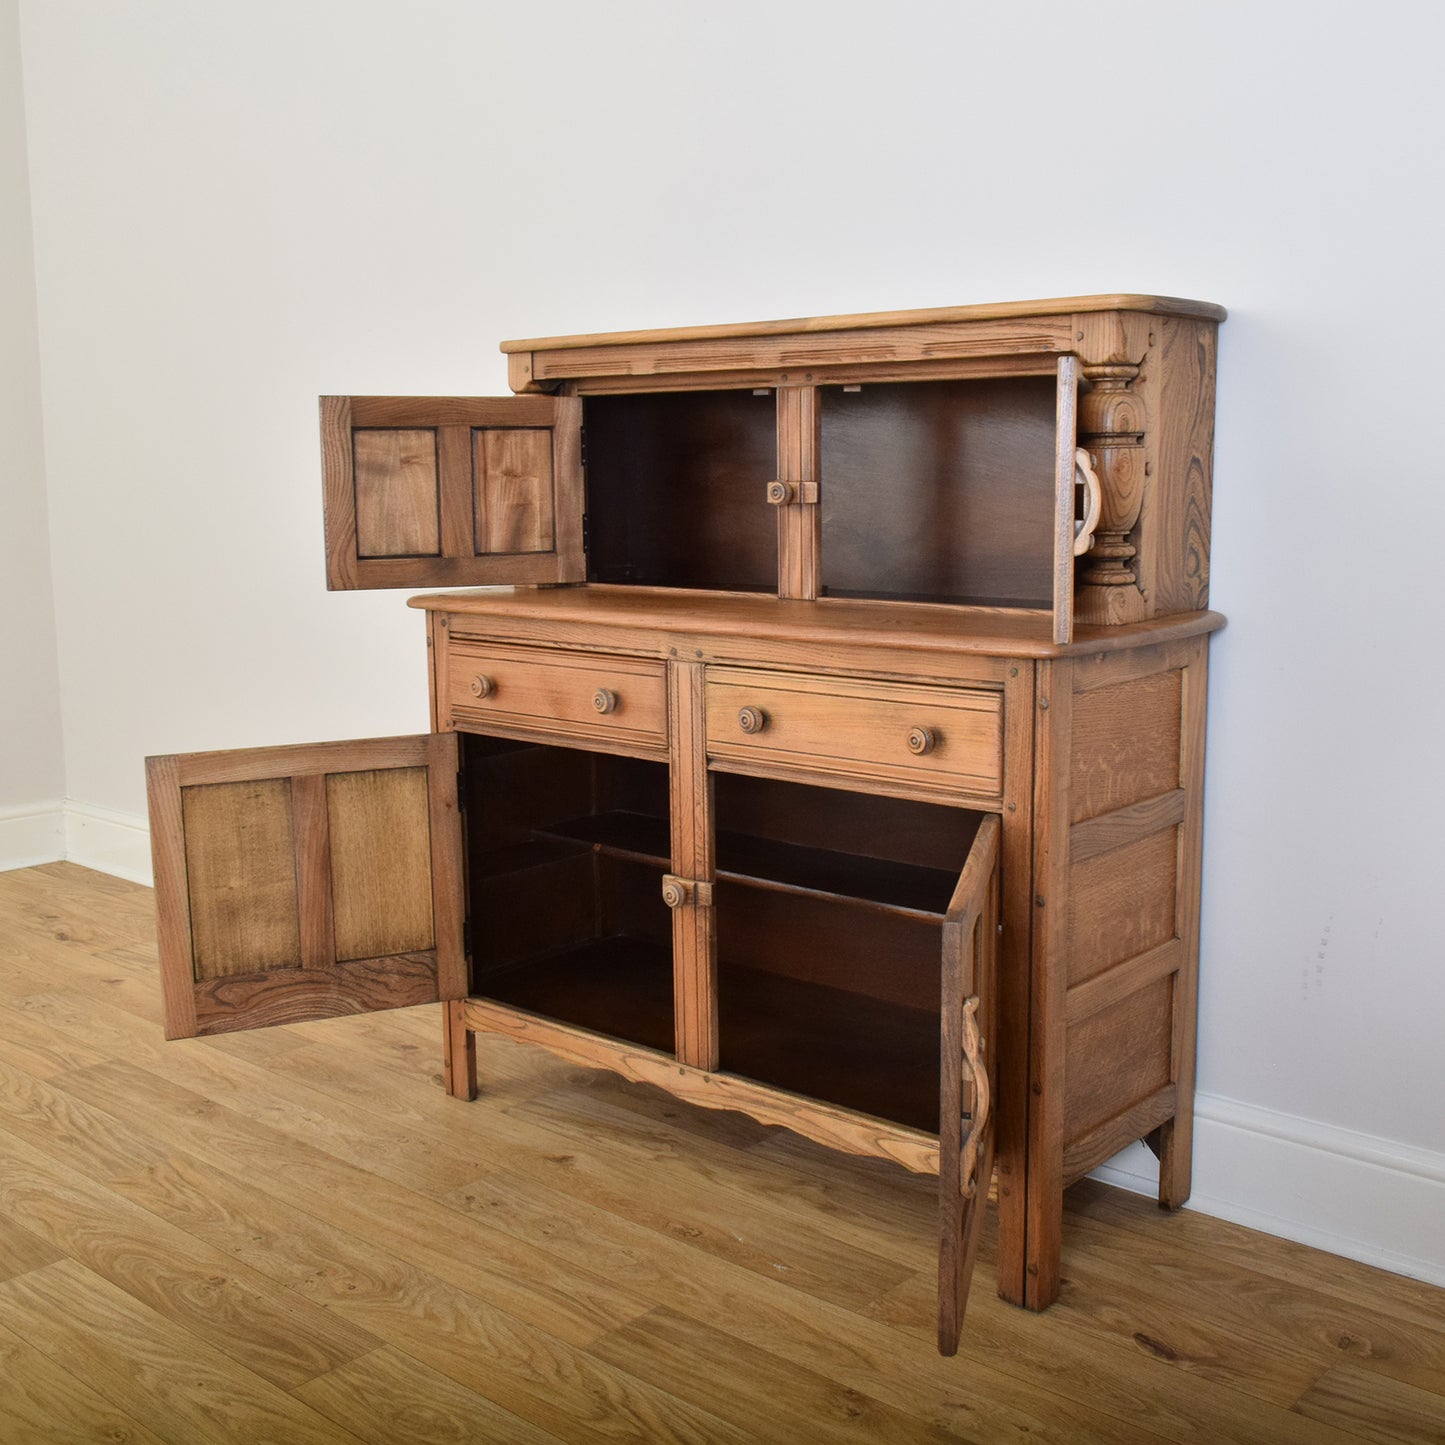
[(969, 1073), (302, 882), (452, 491)]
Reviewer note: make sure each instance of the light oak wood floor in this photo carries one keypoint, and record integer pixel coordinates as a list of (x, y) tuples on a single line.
[(294, 1236)]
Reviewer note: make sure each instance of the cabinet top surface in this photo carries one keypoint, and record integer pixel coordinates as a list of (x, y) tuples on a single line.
[(1064, 305), (829, 621)]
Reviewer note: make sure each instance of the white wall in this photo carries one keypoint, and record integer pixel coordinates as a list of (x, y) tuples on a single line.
[(240, 207), (32, 775)]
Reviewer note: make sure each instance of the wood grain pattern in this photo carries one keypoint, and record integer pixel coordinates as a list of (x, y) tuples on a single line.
[(381, 877), (437, 491), (1180, 1328), (1118, 1056), (843, 635), (1121, 904), (514, 490), (553, 694), (396, 478), (799, 523), (1065, 440), (691, 831), (1125, 744), (1066, 306), (844, 728), (241, 877), (297, 882)]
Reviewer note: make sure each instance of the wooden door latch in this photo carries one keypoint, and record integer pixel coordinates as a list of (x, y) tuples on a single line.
[(677, 891)]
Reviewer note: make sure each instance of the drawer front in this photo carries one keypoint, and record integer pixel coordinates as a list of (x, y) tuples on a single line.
[(925, 739), (616, 701)]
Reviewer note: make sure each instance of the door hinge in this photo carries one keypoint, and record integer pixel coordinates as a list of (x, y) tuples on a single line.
[(582, 447), (461, 791), (467, 940), (586, 532)]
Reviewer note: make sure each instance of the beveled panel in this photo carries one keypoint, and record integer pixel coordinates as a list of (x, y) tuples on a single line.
[(1125, 744), (380, 862), (512, 470), (1117, 1057), (397, 512), (241, 877), (1121, 903)]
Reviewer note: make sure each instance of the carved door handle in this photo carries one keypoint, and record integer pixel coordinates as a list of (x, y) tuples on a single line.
[(982, 1099), (1086, 477)]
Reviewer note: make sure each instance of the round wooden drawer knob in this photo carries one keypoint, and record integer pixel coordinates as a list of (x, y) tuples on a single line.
[(481, 685), (921, 741), (604, 700), (674, 894), (752, 719)]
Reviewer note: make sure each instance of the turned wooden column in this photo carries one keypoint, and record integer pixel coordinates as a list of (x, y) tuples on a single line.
[(1111, 429)]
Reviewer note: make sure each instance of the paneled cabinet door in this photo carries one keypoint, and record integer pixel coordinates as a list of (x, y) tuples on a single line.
[(427, 491), (969, 1071), (302, 882)]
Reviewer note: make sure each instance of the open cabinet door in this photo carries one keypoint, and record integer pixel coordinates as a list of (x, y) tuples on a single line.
[(301, 882), (435, 491), (966, 1119)]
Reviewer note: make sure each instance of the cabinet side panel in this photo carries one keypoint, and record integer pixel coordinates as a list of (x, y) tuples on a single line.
[(1121, 904), (1175, 526), (1118, 1057), (1125, 745)]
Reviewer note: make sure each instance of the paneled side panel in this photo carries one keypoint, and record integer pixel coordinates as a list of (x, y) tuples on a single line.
[(1121, 903), (380, 862), (241, 877), (395, 474), (1117, 1057), (1125, 744), (513, 476)]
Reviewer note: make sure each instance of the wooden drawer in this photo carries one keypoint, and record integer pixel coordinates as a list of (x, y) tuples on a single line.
[(618, 702), (928, 740)]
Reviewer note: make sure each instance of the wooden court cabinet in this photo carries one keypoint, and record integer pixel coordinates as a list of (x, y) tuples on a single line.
[(824, 741)]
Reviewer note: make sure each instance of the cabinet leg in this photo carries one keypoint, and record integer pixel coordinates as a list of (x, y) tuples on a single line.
[(459, 1052), (1176, 1151)]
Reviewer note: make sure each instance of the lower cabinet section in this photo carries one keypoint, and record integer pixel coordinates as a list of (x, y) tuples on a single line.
[(828, 910)]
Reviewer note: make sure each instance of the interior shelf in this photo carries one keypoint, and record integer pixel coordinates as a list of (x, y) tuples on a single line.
[(905, 888), (844, 1048), (618, 986)]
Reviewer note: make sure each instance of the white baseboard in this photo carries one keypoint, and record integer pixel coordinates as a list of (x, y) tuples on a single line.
[(1351, 1194), (109, 842), (32, 834)]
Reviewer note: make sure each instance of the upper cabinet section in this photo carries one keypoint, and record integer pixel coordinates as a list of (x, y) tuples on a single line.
[(451, 491), (1049, 457), (1045, 456)]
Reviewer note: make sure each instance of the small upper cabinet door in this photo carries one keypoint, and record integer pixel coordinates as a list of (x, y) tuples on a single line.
[(452, 491), (302, 882)]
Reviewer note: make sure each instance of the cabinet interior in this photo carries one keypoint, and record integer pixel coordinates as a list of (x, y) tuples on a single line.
[(829, 903), (830, 910), (939, 491), (677, 489), (566, 851)]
